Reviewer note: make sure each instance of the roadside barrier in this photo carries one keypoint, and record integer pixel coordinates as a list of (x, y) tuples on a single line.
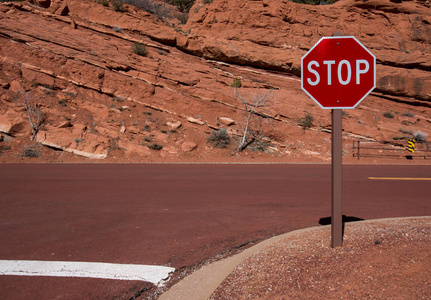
[(392, 149)]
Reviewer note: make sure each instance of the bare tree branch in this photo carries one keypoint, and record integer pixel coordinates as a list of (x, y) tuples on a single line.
[(251, 106), (35, 115)]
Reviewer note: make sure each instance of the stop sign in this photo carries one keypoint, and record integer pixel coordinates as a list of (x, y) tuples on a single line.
[(338, 72)]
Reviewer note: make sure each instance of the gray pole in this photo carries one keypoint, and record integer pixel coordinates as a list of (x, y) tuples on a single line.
[(337, 185)]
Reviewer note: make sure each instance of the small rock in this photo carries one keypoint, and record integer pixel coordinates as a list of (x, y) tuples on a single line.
[(188, 146), (195, 121), (123, 129), (63, 10), (226, 121), (5, 85), (174, 125), (65, 124), (15, 86), (134, 130)]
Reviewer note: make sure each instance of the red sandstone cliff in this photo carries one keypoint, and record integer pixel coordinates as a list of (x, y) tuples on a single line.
[(73, 61)]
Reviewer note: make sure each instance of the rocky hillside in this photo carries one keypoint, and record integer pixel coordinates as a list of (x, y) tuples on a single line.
[(95, 81)]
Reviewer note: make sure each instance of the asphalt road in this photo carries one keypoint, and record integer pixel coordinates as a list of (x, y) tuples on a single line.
[(174, 215)]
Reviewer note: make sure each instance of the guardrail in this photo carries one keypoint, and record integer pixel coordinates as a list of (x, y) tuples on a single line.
[(387, 149)]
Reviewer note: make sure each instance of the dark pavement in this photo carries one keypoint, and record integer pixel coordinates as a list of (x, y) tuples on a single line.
[(174, 215)]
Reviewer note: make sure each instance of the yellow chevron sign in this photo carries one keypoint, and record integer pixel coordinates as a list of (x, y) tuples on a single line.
[(411, 145)]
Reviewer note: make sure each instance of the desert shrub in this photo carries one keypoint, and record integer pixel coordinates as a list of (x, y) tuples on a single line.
[(259, 146), (105, 2), (219, 138), (117, 29), (140, 49), (160, 9), (408, 114), (117, 5), (388, 115), (30, 152), (155, 146), (306, 122), (62, 103), (315, 2), (236, 83), (420, 136), (182, 17), (182, 5)]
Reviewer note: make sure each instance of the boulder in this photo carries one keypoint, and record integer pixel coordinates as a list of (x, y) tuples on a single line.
[(10, 123), (134, 148), (89, 145), (188, 146)]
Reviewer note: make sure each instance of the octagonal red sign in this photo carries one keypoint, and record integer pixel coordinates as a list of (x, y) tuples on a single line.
[(338, 72)]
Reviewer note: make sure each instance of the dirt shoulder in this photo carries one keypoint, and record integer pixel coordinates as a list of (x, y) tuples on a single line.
[(382, 259)]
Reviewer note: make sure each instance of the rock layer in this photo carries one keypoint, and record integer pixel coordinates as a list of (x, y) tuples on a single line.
[(76, 62)]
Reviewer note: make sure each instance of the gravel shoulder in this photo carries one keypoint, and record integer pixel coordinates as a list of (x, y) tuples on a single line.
[(379, 259), (382, 259)]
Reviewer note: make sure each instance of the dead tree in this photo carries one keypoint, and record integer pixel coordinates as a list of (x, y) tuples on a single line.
[(35, 115), (252, 105)]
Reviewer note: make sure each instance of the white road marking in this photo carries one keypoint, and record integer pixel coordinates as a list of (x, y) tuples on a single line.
[(153, 274)]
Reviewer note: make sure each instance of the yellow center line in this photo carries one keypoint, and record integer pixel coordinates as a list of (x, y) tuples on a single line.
[(397, 178)]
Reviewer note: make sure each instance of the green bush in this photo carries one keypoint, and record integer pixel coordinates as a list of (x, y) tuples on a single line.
[(140, 49), (236, 83), (219, 139)]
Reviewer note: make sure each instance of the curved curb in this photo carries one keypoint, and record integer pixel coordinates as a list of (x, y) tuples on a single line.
[(201, 284)]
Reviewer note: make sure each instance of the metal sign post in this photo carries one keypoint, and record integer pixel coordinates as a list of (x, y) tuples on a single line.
[(337, 176)]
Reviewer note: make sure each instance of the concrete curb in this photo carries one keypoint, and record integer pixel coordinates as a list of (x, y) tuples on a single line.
[(201, 284)]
